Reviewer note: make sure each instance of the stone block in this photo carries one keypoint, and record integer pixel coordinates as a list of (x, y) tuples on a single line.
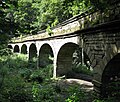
[(93, 64)]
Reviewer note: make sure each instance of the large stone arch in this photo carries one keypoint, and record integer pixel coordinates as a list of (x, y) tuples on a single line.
[(32, 51), (16, 49), (45, 55), (24, 49), (111, 77), (111, 51), (64, 58)]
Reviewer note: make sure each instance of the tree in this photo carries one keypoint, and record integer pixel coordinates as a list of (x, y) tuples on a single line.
[(53, 12), (21, 17), (26, 15), (6, 21), (35, 15)]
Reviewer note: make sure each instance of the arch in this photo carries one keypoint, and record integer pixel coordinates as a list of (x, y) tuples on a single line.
[(16, 49), (64, 58), (24, 49), (32, 51), (45, 55), (10, 47), (69, 62), (111, 77)]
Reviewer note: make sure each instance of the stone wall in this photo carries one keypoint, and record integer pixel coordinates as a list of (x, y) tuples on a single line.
[(101, 48)]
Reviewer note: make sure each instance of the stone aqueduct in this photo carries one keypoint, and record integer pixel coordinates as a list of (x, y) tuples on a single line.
[(97, 33)]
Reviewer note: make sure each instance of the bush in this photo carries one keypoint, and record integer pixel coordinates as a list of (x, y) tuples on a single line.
[(44, 93), (76, 94), (14, 90), (25, 74), (5, 52), (82, 69), (45, 73), (19, 83)]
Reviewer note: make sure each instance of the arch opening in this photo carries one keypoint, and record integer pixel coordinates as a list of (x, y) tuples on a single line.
[(24, 49), (16, 49), (69, 62), (45, 55), (32, 52), (111, 78), (10, 47)]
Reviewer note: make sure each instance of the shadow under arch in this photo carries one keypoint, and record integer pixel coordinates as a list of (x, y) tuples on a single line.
[(16, 49), (69, 62), (111, 78), (32, 51), (10, 47), (24, 49), (64, 59), (45, 55)]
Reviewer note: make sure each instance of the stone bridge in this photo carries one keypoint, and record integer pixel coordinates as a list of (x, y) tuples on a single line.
[(96, 33)]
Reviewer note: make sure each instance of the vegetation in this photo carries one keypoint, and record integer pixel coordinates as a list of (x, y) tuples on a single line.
[(35, 15), (21, 17), (82, 69), (19, 82)]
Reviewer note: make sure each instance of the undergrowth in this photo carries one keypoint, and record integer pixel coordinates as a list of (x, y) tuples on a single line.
[(21, 83)]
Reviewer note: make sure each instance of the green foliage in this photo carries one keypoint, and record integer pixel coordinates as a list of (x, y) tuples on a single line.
[(32, 16), (52, 91), (26, 16), (18, 83), (7, 25), (35, 92), (98, 100), (13, 62), (25, 73), (5, 52), (21, 17), (56, 11), (49, 30), (13, 88), (45, 73), (110, 99), (44, 93), (75, 94), (82, 69), (32, 63), (101, 4)]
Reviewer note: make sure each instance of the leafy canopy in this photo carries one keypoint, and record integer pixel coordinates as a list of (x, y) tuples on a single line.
[(21, 17), (35, 15)]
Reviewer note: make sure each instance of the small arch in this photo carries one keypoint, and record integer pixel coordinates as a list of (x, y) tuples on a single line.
[(16, 49), (45, 55), (24, 49), (10, 47), (111, 77), (32, 52)]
